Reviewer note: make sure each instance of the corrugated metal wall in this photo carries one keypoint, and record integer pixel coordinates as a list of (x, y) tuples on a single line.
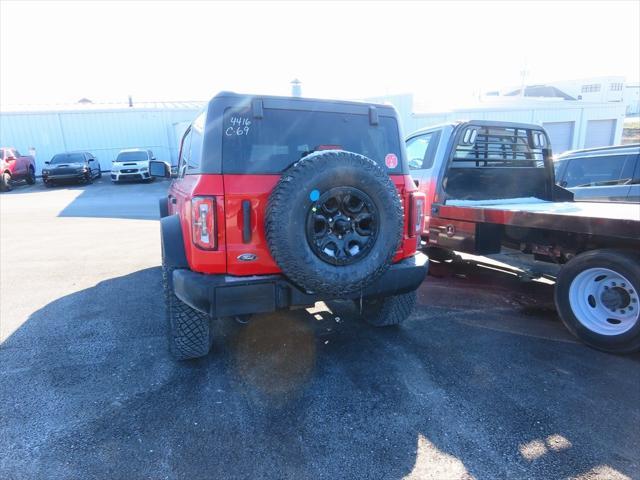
[(102, 132)]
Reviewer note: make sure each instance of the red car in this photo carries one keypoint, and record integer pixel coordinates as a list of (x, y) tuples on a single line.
[(279, 203), (15, 167)]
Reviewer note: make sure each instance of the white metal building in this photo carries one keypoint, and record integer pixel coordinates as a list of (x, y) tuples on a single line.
[(632, 99), (593, 89), (102, 129), (105, 129), (571, 125)]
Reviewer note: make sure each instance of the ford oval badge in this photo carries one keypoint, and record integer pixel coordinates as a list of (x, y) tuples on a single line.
[(247, 257)]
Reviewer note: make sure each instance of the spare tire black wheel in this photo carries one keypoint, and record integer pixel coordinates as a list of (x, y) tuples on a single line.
[(334, 222)]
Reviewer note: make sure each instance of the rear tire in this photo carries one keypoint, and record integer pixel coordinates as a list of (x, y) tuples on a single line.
[(189, 329), (387, 311), (597, 297), (31, 177), (5, 182)]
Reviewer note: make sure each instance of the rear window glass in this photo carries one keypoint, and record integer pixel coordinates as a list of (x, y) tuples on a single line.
[(282, 137)]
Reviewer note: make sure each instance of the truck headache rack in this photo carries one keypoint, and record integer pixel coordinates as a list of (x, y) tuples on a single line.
[(489, 146)]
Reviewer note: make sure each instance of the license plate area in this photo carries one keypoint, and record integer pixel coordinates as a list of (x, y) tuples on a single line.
[(245, 299)]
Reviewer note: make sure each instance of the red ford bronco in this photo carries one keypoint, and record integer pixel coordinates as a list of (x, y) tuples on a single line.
[(282, 202)]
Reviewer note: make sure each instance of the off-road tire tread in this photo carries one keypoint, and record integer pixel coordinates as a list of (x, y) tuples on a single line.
[(279, 202), (388, 311), (189, 329)]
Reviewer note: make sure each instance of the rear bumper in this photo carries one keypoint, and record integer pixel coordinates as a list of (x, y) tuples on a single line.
[(225, 295)]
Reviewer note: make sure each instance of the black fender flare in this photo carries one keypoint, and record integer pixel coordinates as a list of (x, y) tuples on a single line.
[(172, 242), (163, 205)]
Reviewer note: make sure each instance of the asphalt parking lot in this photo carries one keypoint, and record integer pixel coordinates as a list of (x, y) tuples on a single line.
[(482, 382)]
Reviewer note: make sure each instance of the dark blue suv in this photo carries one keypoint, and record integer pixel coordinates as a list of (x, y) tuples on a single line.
[(606, 174)]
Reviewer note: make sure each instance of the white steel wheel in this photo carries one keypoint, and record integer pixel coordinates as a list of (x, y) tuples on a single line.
[(604, 301)]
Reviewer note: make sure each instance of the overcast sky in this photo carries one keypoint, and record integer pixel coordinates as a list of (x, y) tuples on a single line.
[(57, 52)]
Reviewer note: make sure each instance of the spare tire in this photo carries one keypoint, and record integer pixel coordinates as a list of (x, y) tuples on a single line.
[(334, 222)]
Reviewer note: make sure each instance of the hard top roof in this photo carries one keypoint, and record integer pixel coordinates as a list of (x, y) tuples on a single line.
[(309, 103), (631, 148)]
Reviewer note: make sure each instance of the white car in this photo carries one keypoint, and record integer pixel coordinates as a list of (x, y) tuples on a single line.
[(132, 164)]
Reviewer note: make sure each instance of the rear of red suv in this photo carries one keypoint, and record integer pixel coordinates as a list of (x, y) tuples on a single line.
[(281, 202)]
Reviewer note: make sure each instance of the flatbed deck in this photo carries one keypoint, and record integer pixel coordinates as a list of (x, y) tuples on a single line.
[(619, 220)]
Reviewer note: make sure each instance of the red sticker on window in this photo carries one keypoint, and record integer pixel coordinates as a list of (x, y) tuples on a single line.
[(391, 161)]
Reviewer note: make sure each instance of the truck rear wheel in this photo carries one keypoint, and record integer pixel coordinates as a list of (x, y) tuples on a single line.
[(387, 311), (597, 297), (189, 329)]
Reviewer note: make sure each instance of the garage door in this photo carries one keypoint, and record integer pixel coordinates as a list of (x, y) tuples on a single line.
[(599, 133), (560, 134)]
